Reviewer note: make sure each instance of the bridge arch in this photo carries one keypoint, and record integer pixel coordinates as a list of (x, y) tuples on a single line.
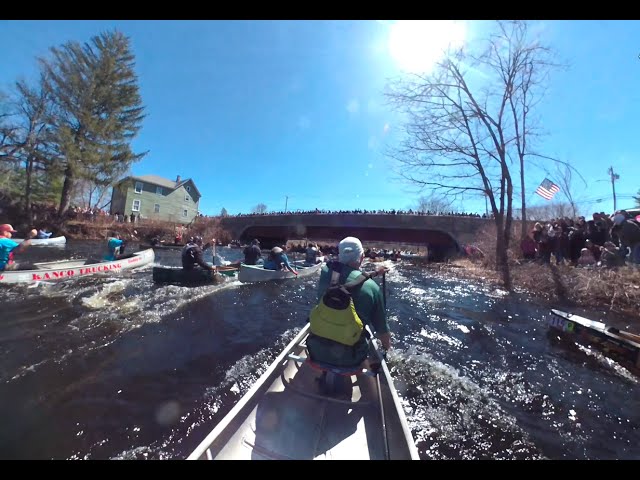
[(442, 234), (440, 244)]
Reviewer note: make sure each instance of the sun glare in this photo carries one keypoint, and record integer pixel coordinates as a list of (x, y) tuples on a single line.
[(416, 45)]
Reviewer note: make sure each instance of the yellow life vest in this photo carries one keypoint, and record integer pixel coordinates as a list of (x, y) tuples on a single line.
[(335, 316)]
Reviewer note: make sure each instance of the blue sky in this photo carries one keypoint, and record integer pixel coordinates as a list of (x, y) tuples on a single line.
[(257, 111)]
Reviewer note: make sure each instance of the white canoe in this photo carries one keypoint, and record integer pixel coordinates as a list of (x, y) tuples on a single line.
[(44, 241), (257, 273), (66, 269), (287, 416), (413, 256)]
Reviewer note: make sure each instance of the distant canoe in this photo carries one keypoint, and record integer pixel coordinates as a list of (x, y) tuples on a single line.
[(257, 273), (44, 241), (414, 256), (68, 269), (162, 246), (180, 276)]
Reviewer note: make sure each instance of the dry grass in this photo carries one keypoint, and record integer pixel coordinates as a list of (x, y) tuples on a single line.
[(615, 290)]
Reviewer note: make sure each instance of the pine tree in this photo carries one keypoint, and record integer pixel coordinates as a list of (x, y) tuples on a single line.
[(98, 109)]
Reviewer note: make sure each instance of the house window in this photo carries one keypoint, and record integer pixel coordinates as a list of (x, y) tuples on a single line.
[(136, 206), (156, 208), (138, 188), (159, 191), (188, 187), (184, 212), (186, 198)]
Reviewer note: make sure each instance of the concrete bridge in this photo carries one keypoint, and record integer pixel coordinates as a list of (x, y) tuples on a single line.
[(443, 234)]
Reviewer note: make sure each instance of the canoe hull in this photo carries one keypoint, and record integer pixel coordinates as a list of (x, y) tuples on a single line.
[(197, 276), (43, 242), (621, 346), (285, 415), (228, 271), (256, 273), (59, 271)]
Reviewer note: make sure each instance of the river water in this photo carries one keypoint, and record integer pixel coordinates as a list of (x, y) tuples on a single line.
[(115, 367)]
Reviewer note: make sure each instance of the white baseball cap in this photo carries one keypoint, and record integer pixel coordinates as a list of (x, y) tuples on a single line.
[(349, 250)]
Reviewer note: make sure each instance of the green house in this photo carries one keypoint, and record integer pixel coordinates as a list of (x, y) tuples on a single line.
[(155, 198)]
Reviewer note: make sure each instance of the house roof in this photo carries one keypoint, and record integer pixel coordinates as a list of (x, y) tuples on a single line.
[(164, 182), (156, 180), (178, 185)]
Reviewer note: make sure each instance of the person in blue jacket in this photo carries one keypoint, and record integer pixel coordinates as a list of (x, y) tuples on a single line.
[(8, 247), (278, 260), (42, 234), (115, 247)]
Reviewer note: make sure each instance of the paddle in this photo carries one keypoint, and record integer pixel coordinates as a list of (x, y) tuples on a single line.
[(384, 290), (295, 267), (375, 368), (382, 357)]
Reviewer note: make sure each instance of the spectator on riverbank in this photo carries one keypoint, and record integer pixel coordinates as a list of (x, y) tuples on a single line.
[(586, 258), (528, 247)]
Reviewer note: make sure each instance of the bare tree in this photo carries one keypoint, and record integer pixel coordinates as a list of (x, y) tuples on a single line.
[(223, 212), (468, 121), (260, 208), (7, 127), (433, 204), (551, 211), (565, 175), (90, 194)]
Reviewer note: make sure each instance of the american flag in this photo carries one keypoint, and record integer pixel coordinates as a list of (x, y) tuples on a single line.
[(547, 189)]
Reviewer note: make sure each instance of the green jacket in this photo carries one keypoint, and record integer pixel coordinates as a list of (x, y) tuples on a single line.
[(369, 303)]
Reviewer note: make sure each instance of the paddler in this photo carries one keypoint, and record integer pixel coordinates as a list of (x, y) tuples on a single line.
[(9, 247)]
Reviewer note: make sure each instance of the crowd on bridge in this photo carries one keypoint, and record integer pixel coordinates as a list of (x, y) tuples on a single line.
[(361, 212), (606, 241)]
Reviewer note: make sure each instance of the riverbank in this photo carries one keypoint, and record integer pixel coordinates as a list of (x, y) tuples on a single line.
[(144, 231), (614, 290)]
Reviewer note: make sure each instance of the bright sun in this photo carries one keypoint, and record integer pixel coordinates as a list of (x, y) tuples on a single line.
[(416, 45)]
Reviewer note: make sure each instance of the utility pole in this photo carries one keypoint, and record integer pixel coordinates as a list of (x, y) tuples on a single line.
[(286, 201), (614, 177)]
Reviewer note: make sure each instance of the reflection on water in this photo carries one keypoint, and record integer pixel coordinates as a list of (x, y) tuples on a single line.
[(117, 367)]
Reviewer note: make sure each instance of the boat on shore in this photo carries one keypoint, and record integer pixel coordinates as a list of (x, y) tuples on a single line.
[(43, 242), (300, 411), (257, 273), (623, 347), (68, 269)]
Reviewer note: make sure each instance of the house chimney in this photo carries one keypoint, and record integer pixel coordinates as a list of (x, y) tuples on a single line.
[(178, 179)]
